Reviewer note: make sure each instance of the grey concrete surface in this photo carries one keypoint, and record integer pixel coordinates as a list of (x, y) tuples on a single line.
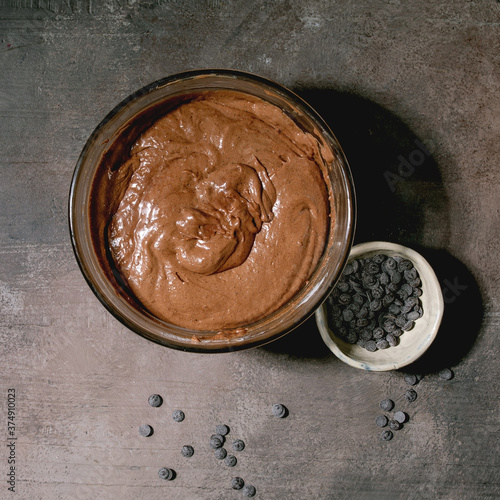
[(391, 78)]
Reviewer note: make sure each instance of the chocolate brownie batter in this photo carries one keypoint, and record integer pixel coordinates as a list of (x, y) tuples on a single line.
[(223, 214)]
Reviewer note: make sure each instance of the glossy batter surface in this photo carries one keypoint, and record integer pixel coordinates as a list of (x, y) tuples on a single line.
[(224, 212)]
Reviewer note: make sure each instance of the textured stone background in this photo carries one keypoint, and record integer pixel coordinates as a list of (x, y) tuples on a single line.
[(384, 74)]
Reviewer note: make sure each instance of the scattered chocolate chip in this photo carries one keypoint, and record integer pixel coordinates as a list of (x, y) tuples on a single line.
[(178, 415), (249, 490), (216, 441), (410, 395), (220, 453), (155, 400), (387, 435), (446, 374), (166, 474), (230, 461), (238, 445), (279, 410), (394, 424), (411, 379), (222, 430), (381, 421), (387, 404), (187, 451), (401, 417), (237, 483), (145, 430)]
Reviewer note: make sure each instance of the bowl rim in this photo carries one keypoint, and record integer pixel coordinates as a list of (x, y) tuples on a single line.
[(235, 343), (339, 348)]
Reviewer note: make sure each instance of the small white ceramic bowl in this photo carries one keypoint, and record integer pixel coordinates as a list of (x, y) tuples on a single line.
[(413, 343)]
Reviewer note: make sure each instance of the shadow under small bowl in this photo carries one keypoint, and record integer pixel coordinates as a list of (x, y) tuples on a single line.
[(110, 144), (413, 343)]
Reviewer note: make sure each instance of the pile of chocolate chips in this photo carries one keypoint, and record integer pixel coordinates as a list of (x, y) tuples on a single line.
[(375, 301)]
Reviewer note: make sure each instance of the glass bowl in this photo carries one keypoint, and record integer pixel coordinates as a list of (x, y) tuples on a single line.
[(110, 145)]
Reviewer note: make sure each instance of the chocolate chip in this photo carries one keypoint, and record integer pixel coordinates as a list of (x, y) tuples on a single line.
[(238, 445), (279, 410), (348, 269), (401, 321), (389, 326), (410, 395), (401, 417), (411, 379), (388, 299), (410, 274), (230, 461), (392, 339), (378, 258), (370, 345), (145, 430), (355, 266), (394, 425), (155, 400), (446, 374), (345, 299), (237, 483), (216, 441), (187, 451), (395, 309), (178, 415), (384, 279), (249, 490), (382, 344), (390, 264), (416, 283), (372, 267), (387, 404), (408, 326), (387, 435), (419, 310), (405, 265), (366, 334), (381, 421), (166, 474), (351, 337), (413, 315), (220, 453), (222, 430), (347, 315)]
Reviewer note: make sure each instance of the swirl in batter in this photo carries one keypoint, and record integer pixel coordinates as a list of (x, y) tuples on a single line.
[(224, 212)]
